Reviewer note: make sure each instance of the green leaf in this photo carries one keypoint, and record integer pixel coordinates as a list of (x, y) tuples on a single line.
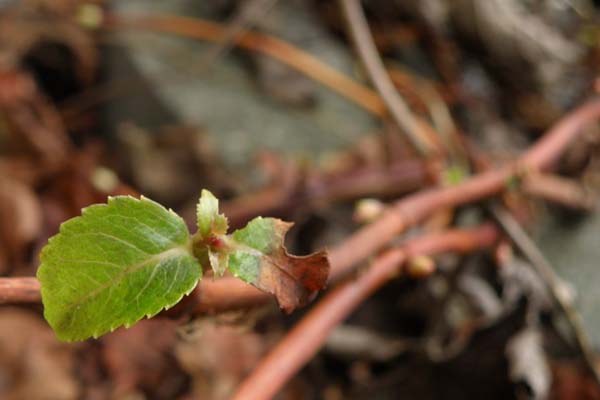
[(258, 256), (219, 261), (114, 265), (210, 222), (212, 226)]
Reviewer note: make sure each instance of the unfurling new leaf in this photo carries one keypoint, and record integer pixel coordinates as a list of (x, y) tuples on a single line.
[(212, 226), (209, 221), (131, 258)]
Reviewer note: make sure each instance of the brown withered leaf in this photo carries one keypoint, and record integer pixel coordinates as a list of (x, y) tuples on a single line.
[(261, 259)]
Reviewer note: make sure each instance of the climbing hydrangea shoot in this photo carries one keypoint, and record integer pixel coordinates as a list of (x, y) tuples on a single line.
[(128, 259)]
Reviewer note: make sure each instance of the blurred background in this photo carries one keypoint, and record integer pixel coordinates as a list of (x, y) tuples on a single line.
[(269, 105)]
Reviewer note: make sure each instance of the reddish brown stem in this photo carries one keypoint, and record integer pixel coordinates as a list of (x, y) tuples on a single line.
[(559, 190), (407, 212), (412, 209), (373, 181), (307, 336), (227, 294), (19, 290)]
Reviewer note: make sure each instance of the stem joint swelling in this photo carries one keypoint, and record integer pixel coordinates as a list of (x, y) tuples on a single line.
[(117, 263)]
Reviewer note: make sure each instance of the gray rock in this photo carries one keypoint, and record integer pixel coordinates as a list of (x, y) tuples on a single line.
[(226, 100)]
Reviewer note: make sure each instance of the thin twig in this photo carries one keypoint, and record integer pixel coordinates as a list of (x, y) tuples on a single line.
[(558, 190), (236, 27), (306, 338), (545, 271), (365, 47), (394, 179), (430, 95), (226, 294), (19, 290)]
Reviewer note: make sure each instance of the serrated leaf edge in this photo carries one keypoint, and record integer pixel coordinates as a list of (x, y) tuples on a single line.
[(129, 324), (187, 247)]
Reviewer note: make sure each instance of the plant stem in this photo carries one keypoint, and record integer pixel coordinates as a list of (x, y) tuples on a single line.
[(365, 47), (398, 178), (19, 290), (560, 190)]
